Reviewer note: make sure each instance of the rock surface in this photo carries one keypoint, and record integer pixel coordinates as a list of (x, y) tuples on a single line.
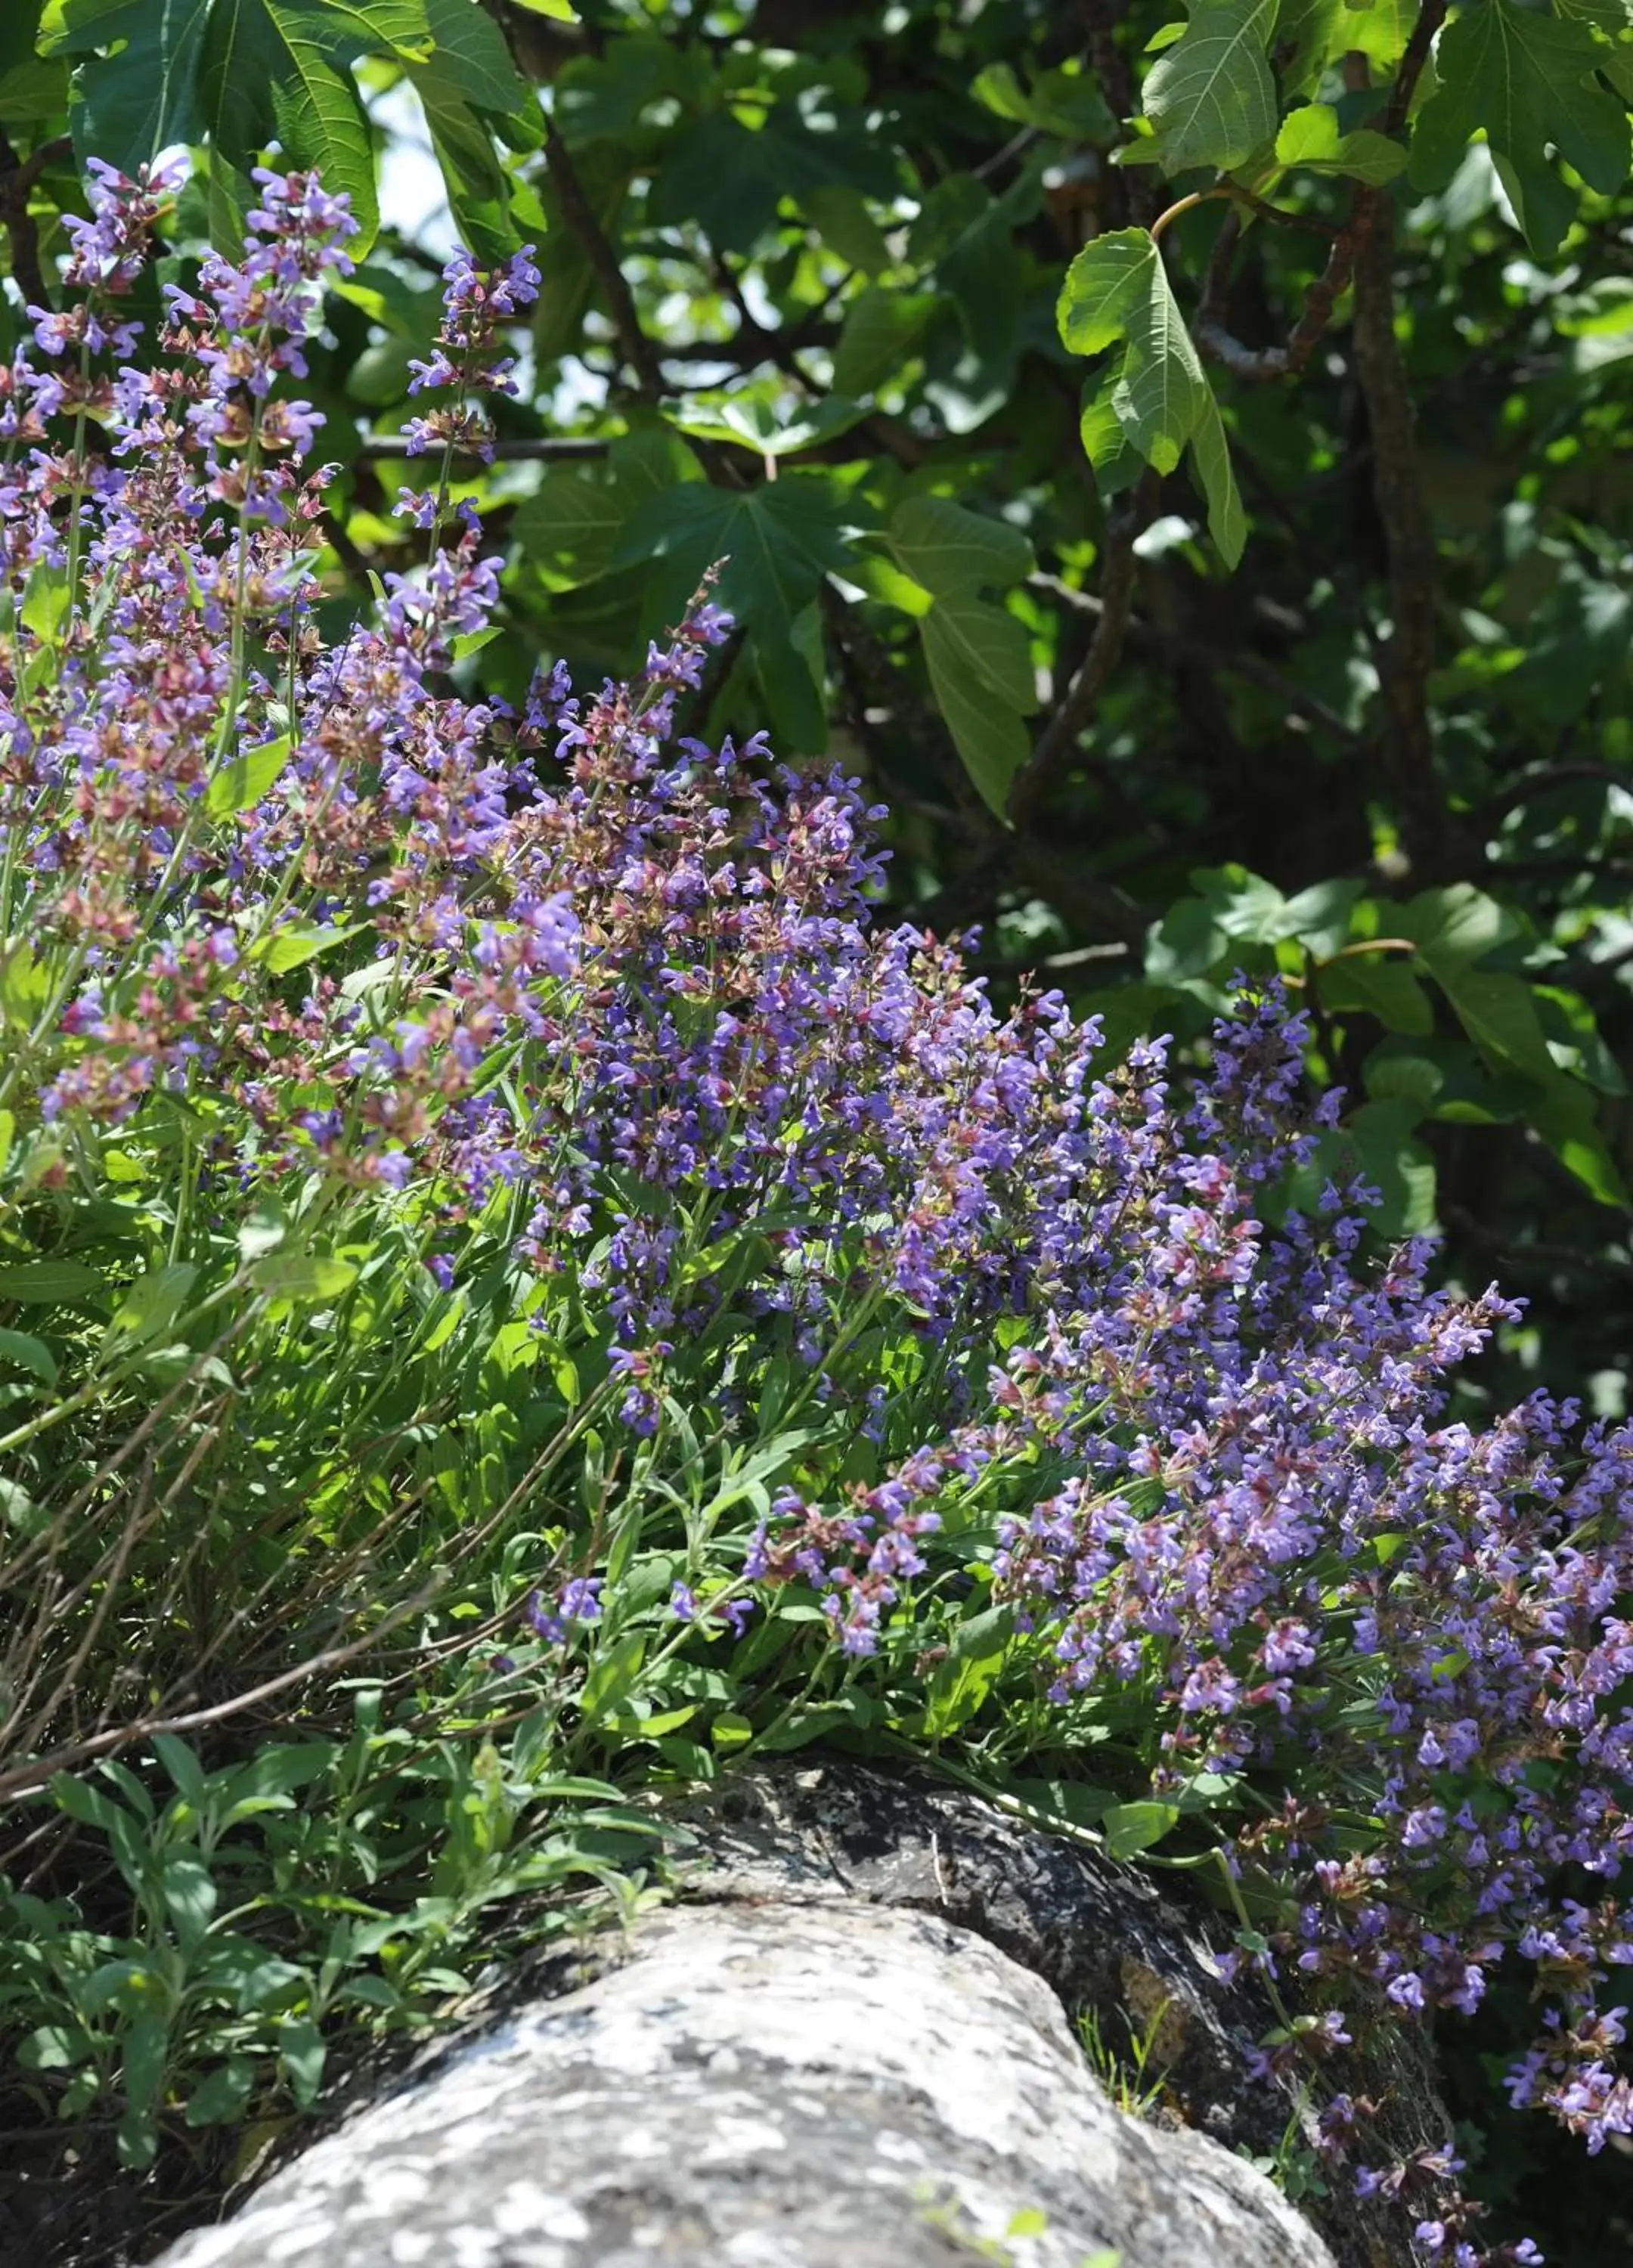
[(775, 2085), (846, 2045)]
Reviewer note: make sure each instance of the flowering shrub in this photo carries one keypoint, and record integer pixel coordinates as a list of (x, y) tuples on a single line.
[(485, 1208)]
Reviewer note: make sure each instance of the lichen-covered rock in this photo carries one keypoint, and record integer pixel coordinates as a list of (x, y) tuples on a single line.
[(822, 2084), (1134, 1951), (847, 2041)]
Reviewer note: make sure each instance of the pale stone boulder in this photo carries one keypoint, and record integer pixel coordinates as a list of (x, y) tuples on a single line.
[(775, 2085)]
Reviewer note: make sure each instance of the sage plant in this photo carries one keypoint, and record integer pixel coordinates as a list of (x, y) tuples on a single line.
[(348, 952)]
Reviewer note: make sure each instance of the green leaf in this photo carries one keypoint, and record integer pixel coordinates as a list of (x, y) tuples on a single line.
[(151, 1303), (1115, 459), (1210, 97), (146, 2054), (46, 1283), (183, 1766), (301, 2056), (469, 61), (24, 984), (880, 330), (1500, 1017), (1158, 398), (240, 785), (289, 948), (478, 187), (1159, 401), (569, 528), (1211, 456), (1454, 926), (222, 2096), (961, 1684), (1066, 103), (137, 76), (263, 1232), (980, 672), (1071, 1802), (1377, 29), (967, 637), (1186, 944), (26, 1352), (267, 1780), (839, 214), (46, 602), (18, 27), (1106, 289), (316, 107), (950, 549), (1526, 80), (987, 730), (301, 1276), (243, 73), (55, 2047), (1310, 137), (778, 542), (1307, 32), (1381, 1134), (612, 1676), (1131, 1828), (189, 1895), (1567, 1118), (766, 423), (1380, 987)]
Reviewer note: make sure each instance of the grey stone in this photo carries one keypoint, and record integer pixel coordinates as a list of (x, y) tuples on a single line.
[(776, 2084), (845, 2044)]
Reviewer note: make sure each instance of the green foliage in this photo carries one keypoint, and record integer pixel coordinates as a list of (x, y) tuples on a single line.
[(1528, 81), (1158, 401), (239, 72), (273, 1908), (1210, 96)]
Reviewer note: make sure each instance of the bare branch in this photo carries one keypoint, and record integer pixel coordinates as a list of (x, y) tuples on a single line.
[(1057, 743), (638, 350), (386, 446), (1238, 661), (1406, 658), (17, 176), (1213, 331)]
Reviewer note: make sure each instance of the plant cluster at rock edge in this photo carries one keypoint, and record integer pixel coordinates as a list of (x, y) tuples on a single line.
[(489, 1219)]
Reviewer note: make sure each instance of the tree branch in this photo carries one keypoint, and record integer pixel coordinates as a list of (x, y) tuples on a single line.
[(638, 350), (1431, 16), (17, 176), (1236, 662), (1213, 331), (514, 452), (1406, 658), (1057, 743)]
